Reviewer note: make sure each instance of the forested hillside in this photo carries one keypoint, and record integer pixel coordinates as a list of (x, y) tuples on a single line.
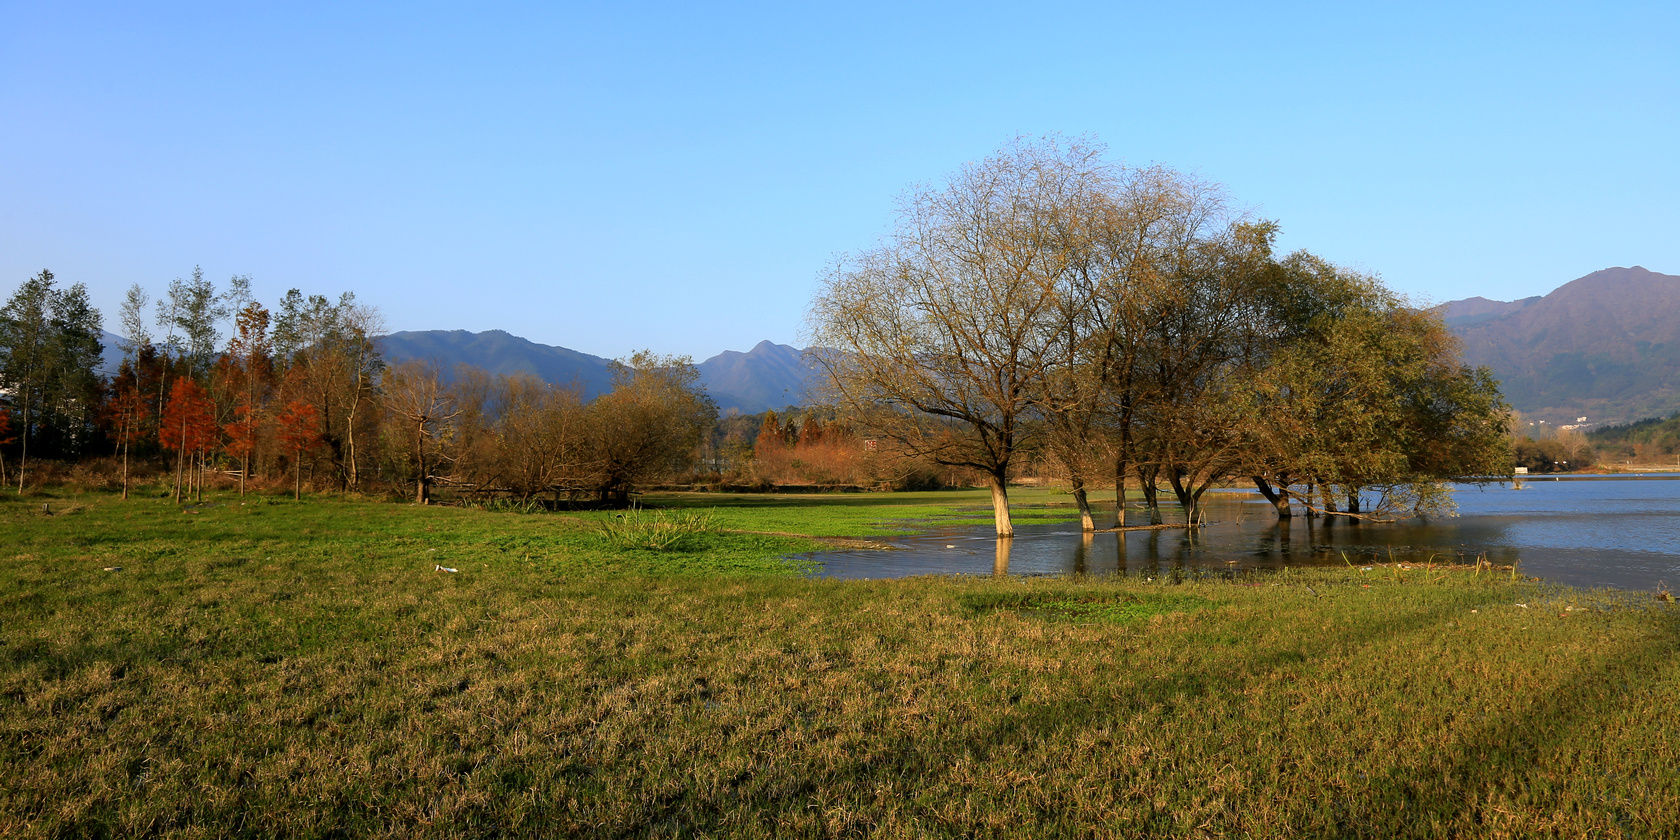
[(765, 377), (1605, 346)]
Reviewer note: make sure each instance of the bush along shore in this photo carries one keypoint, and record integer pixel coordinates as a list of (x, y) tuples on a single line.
[(281, 669)]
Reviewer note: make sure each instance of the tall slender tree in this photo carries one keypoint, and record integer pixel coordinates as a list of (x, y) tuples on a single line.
[(49, 357), (125, 417), (188, 426), (331, 361), (6, 439), (300, 432)]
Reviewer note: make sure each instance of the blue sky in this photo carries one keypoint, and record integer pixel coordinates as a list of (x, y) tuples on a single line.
[(610, 177)]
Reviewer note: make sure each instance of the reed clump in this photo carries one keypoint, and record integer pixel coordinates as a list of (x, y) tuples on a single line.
[(661, 530)]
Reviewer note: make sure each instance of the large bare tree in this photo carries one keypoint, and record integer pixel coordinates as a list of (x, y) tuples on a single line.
[(418, 401), (941, 338)]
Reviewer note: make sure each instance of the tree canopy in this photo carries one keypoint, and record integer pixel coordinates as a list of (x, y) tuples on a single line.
[(1046, 301)]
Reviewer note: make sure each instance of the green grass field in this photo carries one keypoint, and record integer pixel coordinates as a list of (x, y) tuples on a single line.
[(281, 669)]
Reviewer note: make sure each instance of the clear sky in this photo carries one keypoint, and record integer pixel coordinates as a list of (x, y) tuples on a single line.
[(613, 176)]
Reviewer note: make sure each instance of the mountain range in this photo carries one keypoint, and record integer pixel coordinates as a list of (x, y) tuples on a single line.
[(768, 376), (1605, 346)]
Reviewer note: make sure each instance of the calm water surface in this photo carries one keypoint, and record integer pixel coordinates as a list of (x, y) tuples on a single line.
[(1606, 532)]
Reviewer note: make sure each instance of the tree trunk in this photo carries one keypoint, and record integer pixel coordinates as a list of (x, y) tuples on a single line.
[(297, 476), (244, 470), (352, 477), (1000, 507), (23, 438), (125, 471), (180, 460), (1279, 497), (1151, 494), (1000, 562), (1120, 492), (420, 458), (1189, 501), (1086, 524), (1353, 501)]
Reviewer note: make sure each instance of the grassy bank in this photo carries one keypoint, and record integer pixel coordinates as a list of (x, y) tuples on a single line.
[(281, 669)]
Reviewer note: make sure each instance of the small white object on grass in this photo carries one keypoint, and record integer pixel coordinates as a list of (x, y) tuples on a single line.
[(437, 568), (113, 568)]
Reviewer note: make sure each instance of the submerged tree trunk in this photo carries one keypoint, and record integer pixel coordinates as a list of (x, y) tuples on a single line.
[(1000, 507), (1353, 500), (1279, 496), (1151, 493), (1189, 498), (1120, 492), (1086, 523)]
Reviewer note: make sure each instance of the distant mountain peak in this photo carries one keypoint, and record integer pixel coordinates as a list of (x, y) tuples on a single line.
[(1605, 345), (770, 375)]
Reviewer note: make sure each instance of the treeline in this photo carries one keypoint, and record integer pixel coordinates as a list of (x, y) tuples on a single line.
[(1127, 325), (299, 393), (812, 446), (1652, 440)]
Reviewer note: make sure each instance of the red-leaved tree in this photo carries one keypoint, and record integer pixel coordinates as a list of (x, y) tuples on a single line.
[(300, 432), (125, 416), (242, 436), (6, 437), (188, 425)]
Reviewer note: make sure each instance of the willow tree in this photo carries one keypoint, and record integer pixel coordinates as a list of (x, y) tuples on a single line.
[(1124, 296), (940, 339), (1362, 393), (1195, 356)]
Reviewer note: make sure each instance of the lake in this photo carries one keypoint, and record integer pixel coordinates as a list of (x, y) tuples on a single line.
[(1620, 532)]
